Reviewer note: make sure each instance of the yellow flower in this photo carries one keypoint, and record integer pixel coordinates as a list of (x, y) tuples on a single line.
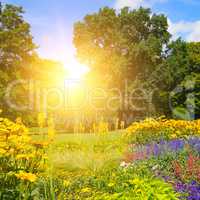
[(66, 183), (26, 176), (111, 184), (12, 150), (135, 181), (174, 136), (85, 190), (24, 156), (2, 151)]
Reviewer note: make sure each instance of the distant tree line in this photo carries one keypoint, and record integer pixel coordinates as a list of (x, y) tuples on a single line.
[(127, 49)]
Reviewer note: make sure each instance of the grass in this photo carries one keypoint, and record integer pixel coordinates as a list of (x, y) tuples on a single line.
[(85, 153)]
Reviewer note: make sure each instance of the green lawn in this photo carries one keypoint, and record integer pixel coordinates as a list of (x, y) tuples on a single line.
[(85, 152)]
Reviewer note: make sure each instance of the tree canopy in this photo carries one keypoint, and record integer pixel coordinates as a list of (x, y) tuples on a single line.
[(16, 47), (134, 45), (121, 45)]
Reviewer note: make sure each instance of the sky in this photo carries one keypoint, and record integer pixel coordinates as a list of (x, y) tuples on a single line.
[(52, 20)]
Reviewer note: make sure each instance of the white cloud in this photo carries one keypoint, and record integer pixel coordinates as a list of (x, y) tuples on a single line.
[(136, 3), (190, 31)]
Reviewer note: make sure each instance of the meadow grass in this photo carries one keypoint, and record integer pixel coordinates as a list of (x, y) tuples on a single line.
[(84, 153)]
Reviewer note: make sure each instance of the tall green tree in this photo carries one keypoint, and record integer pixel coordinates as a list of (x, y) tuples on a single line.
[(118, 46), (178, 88), (16, 49)]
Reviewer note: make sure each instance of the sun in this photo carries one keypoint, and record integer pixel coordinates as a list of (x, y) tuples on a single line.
[(76, 70), (75, 73)]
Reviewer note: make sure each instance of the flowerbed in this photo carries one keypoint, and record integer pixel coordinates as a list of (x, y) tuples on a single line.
[(162, 161), (21, 161), (172, 153), (149, 130)]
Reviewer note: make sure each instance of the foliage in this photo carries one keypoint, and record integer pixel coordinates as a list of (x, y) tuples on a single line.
[(17, 49), (125, 184), (20, 65), (179, 79), (121, 46), (116, 183), (107, 36), (134, 45)]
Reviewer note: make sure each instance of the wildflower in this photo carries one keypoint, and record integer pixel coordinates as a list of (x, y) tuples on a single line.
[(111, 184), (156, 150), (26, 176), (155, 167), (176, 145), (2, 151), (85, 190), (177, 169), (174, 136), (66, 183), (191, 163), (135, 181), (192, 189), (124, 164), (24, 156)]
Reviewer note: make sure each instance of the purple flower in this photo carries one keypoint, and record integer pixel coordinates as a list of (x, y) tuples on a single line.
[(192, 190), (164, 147), (156, 150), (180, 187), (197, 148), (149, 150), (162, 142), (176, 145), (194, 142)]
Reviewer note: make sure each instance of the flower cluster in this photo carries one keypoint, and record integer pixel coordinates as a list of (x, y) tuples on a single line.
[(191, 190), (170, 149), (9, 128), (141, 152), (156, 129), (20, 159), (26, 176), (189, 170)]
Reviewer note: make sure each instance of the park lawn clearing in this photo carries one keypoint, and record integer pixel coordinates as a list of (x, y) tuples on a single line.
[(85, 152)]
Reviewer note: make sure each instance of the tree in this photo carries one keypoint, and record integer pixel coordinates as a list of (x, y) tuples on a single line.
[(16, 49), (179, 83), (121, 46)]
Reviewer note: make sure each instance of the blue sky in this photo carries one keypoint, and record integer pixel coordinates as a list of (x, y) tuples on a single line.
[(52, 20)]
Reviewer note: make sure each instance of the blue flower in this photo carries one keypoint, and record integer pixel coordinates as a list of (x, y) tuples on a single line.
[(176, 145), (156, 150)]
